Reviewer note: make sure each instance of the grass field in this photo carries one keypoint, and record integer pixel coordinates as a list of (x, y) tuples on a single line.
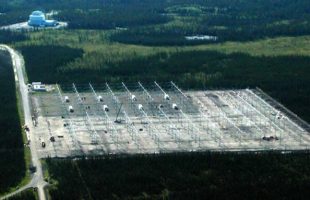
[(98, 41), (99, 50)]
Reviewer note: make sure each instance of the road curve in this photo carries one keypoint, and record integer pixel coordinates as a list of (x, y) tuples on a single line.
[(37, 179)]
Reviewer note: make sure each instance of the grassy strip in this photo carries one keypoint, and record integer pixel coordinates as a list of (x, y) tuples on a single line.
[(27, 152), (98, 41)]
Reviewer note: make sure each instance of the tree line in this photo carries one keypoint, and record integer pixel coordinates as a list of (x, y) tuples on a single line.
[(227, 20), (25, 195), (12, 162), (7, 36), (269, 175)]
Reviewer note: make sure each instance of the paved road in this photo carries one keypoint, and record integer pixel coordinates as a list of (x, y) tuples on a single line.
[(37, 179)]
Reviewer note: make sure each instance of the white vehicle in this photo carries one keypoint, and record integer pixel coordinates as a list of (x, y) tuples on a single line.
[(67, 99), (133, 98), (175, 106), (100, 99), (140, 107), (71, 109), (160, 106), (105, 108), (166, 97)]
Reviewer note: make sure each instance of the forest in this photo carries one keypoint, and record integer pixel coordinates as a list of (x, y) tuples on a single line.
[(268, 175), (28, 194), (114, 16), (8, 37), (168, 22), (227, 20), (45, 67), (12, 162)]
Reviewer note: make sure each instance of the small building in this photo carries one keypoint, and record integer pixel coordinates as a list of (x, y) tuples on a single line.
[(37, 19), (38, 86)]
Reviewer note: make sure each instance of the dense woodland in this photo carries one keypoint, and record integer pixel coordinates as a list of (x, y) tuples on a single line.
[(48, 60), (12, 163), (167, 22), (183, 176), (112, 16), (10, 36), (228, 20), (29, 194)]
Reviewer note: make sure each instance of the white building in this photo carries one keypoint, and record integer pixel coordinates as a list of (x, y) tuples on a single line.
[(38, 86), (37, 19)]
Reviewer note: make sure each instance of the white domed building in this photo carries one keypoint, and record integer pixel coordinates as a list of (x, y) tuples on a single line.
[(37, 19)]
